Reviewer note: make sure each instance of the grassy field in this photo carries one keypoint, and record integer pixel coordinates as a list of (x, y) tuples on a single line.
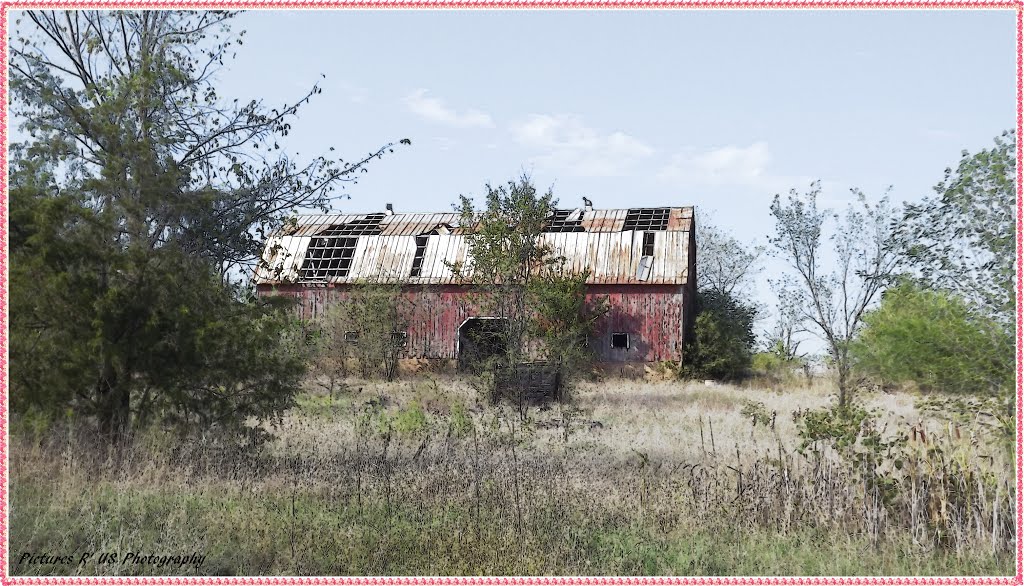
[(419, 477)]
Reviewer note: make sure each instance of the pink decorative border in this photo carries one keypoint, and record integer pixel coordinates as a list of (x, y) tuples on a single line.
[(6, 7)]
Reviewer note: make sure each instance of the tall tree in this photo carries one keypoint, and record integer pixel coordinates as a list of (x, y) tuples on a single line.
[(962, 239), (139, 195), (505, 255), (124, 104), (832, 303), (723, 331)]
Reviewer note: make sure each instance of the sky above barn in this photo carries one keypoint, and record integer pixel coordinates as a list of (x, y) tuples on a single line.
[(716, 109)]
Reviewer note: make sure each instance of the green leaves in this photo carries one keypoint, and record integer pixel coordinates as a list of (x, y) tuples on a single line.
[(962, 240), (543, 309), (724, 337), (933, 339), (124, 105)]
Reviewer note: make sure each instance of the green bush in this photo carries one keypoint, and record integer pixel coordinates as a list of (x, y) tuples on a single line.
[(723, 338), (933, 339)]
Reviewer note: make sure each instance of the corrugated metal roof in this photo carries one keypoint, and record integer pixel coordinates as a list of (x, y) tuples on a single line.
[(612, 255)]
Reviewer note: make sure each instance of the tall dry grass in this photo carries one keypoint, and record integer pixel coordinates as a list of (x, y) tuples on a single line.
[(417, 477)]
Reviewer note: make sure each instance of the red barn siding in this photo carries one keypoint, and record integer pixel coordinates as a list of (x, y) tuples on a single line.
[(654, 316)]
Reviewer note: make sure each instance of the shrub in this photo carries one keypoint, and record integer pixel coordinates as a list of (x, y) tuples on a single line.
[(723, 338), (933, 339), (460, 422), (365, 331)]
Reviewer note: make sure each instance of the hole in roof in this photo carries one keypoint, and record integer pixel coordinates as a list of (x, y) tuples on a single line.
[(327, 257), (365, 226), (565, 221), (648, 247), (646, 219), (417, 260)]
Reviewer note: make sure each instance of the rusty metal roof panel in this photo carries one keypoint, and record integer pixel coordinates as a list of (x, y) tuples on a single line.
[(680, 219), (611, 254), (603, 220), (312, 225), (416, 224)]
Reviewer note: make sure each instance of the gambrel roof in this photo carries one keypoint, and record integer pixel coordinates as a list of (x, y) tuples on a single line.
[(420, 248)]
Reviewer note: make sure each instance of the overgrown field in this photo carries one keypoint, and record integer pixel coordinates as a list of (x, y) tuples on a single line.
[(418, 477)]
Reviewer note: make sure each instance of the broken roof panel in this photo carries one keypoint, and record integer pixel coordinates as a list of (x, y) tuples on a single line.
[(386, 246)]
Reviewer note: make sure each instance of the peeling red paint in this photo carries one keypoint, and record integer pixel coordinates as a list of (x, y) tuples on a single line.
[(652, 315)]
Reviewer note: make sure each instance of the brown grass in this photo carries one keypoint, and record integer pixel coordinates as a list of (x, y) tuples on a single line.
[(418, 476)]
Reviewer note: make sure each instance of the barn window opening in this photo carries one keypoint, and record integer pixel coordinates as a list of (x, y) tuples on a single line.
[(417, 260), (648, 249), (646, 219), (327, 257), (351, 337), (620, 341), (365, 226), (399, 339), (565, 221)]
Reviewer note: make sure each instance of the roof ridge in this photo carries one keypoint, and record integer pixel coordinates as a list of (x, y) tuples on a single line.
[(459, 213)]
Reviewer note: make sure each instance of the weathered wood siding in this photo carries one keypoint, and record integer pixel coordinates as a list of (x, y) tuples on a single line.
[(654, 316)]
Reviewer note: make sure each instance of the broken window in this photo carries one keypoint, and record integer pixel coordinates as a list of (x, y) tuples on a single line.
[(366, 226), (351, 336), (417, 260), (565, 221), (399, 339), (646, 219), (620, 341), (643, 268), (327, 257), (648, 249)]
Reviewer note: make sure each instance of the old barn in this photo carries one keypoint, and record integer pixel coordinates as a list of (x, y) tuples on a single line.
[(643, 260)]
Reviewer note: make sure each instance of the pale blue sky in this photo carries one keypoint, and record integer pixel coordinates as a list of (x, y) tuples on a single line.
[(716, 109)]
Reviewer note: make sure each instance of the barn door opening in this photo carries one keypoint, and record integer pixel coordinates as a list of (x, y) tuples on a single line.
[(480, 339)]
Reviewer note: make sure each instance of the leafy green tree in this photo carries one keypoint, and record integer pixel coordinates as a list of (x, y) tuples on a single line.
[(518, 278), (376, 313), (505, 256), (962, 239), (723, 337), (139, 199), (563, 319), (933, 339), (832, 303), (124, 104)]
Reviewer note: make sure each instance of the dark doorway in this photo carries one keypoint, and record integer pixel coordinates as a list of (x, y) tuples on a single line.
[(480, 339)]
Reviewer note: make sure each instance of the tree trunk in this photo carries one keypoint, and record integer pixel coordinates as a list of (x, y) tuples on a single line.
[(114, 403), (842, 364)]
